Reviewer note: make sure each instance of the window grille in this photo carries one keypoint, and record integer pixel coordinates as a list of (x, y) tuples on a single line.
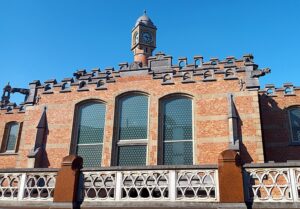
[(132, 130), (12, 137), (177, 131), (90, 130), (132, 155)]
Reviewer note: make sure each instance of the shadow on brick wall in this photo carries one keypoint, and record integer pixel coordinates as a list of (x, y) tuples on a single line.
[(39, 153), (276, 130)]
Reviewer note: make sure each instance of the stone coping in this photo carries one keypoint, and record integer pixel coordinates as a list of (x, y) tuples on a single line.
[(114, 168), (28, 170), (157, 167), (273, 165)]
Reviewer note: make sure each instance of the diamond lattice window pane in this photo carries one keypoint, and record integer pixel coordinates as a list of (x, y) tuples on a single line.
[(295, 123), (177, 122), (133, 113), (91, 154), (12, 137), (91, 123), (178, 153), (177, 125), (132, 155)]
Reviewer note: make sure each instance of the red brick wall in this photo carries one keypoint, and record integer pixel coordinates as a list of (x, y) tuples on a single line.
[(276, 127), (210, 118)]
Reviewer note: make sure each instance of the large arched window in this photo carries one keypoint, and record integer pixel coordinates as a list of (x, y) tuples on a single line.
[(294, 115), (132, 129), (89, 133), (11, 137), (177, 130)]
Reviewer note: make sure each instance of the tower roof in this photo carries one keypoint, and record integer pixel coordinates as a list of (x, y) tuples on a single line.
[(144, 20)]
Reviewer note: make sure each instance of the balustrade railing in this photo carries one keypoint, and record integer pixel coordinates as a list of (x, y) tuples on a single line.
[(9, 185), (268, 182), (29, 184), (276, 182), (162, 183)]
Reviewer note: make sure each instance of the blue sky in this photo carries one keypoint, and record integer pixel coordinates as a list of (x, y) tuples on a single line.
[(40, 40)]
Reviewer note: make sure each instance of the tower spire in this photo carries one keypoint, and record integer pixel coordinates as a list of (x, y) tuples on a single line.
[(143, 39)]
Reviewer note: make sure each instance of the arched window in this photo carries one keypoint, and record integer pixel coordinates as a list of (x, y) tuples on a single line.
[(177, 130), (132, 129), (294, 116), (89, 132), (11, 137)]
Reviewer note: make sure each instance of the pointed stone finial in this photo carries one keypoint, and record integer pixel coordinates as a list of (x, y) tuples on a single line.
[(145, 12)]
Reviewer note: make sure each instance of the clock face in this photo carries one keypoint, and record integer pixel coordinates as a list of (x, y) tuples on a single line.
[(147, 37), (136, 37)]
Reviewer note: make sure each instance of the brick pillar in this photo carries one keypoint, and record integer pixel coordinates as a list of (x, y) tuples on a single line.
[(65, 193), (141, 58), (230, 177)]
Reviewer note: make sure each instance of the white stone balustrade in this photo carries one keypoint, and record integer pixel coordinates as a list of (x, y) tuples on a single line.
[(272, 184), (158, 185), (27, 185), (9, 185)]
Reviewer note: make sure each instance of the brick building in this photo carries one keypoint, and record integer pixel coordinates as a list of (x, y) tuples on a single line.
[(153, 111)]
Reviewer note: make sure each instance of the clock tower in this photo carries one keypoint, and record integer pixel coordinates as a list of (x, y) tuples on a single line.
[(143, 39)]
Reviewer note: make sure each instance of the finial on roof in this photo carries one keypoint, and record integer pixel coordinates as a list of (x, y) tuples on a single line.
[(145, 12)]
